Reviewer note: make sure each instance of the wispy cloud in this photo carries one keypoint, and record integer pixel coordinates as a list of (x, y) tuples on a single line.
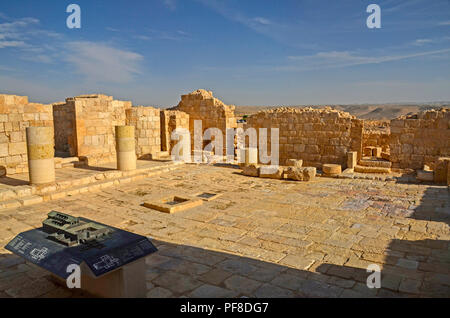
[(337, 59), (102, 62), (444, 23), (153, 34), (4, 44)]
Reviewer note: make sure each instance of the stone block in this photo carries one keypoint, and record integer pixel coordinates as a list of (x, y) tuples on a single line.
[(448, 175), (440, 169), (367, 151), (331, 169), (376, 152), (251, 170), (271, 172), (425, 175), (351, 159), (301, 174), (294, 163)]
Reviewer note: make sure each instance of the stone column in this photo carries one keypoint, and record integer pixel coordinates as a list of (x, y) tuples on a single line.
[(41, 152), (125, 148)]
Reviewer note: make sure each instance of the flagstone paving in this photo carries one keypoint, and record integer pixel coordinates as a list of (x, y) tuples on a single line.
[(261, 237)]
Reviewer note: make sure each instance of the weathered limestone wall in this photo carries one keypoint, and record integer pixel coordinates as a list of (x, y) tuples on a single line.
[(95, 117), (16, 113), (171, 120), (64, 127), (420, 139), (202, 105), (146, 121), (316, 136), (376, 134)]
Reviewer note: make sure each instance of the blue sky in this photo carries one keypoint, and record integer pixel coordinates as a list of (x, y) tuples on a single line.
[(248, 52)]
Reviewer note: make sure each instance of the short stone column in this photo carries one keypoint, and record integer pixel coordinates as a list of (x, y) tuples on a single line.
[(125, 148), (41, 152)]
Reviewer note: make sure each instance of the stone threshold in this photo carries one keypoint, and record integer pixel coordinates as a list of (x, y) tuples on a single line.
[(31, 194)]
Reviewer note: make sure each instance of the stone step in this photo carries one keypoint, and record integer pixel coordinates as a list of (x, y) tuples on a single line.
[(375, 162), (364, 169), (162, 155), (22, 195), (69, 160)]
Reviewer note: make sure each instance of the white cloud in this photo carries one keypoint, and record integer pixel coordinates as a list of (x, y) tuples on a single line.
[(422, 41), (444, 23), (261, 20), (100, 62), (335, 59)]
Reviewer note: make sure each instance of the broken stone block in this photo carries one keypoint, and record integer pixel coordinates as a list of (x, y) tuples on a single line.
[(251, 170), (272, 172), (440, 169), (301, 174), (351, 159), (294, 163), (309, 173), (331, 169)]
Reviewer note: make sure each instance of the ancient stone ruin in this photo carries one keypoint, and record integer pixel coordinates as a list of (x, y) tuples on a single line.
[(84, 128), (346, 193)]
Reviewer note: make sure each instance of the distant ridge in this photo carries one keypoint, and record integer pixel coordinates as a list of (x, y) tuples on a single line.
[(363, 111)]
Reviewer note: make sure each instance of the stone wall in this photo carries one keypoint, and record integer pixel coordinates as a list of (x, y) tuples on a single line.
[(95, 117), (64, 127), (316, 136), (420, 139), (171, 120), (202, 105), (16, 113), (376, 134), (147, 130)]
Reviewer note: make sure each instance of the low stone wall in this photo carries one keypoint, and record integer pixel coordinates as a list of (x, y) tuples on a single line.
[(146, 121), (171, 120), (376, 134), (316, 136), (420, 139), (16, 113)]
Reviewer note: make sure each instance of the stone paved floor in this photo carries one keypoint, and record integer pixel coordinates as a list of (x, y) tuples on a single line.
[(262, 237)]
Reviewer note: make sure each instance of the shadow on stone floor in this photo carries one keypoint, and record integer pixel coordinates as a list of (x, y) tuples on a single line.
[(12, 181), (180, 270), (413, 266)]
